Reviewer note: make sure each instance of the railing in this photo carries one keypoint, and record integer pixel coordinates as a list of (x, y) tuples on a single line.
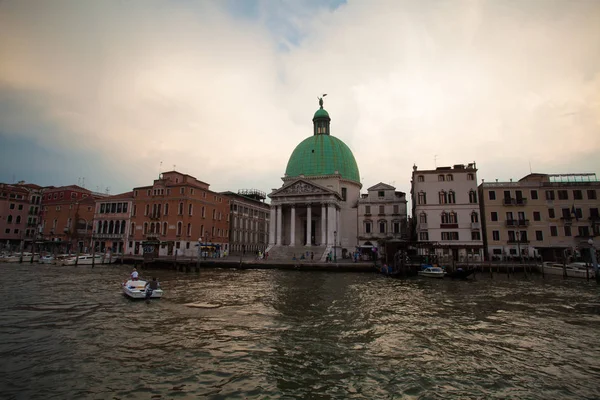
[(32, 224), (449, 226), (475, 225), (108, 235), (519, 241), (567, 220), (517, 222), (154, 216), (514, 202)]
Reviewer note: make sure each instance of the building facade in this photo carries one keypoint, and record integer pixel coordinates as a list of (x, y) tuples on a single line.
[(540, 216), (382, 216), (67, 217), (19, 214), (175, 214), (249, 221), (315, 211), (112, 221), (446, 214)]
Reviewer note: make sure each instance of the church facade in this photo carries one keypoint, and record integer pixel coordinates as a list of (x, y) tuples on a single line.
[(315, 210)]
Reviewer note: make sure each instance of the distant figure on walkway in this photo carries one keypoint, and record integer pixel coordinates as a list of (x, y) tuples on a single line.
[(134, 274)]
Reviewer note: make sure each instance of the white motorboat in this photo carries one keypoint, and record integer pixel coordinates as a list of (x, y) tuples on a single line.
[(137, 290), (84, 259), (16, 257), (573, 270), (47, 259), (432, 272)]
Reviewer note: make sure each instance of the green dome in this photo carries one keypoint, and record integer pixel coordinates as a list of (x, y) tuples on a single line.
[(322, 155), (321, 113)]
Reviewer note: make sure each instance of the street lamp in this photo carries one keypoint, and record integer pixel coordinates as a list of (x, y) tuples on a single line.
[(334, 246), (518, 235)]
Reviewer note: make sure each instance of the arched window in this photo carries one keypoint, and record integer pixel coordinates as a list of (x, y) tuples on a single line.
[(453, 218), (451, 197), (449, 177), (190, 209), (189, 229), (422, 199), (167, 209), (423, 218), (445, 218), (420, 178), (441, 178), (132, 232), (179, 227), (443, 196), (472, 197), (474, 217), (99, 227), (105, 227), (180, 208), (382, 226), (151, 227), (145, 228), (123, 226)]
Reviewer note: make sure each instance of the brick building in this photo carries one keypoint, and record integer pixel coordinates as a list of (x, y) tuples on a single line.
[(173, 214), (19, 210), (67, 216)]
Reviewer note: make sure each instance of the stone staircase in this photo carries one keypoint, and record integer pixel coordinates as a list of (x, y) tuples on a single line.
[(286, 253)]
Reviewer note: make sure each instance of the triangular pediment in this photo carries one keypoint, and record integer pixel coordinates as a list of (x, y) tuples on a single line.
[(381, 186), (301, 187)]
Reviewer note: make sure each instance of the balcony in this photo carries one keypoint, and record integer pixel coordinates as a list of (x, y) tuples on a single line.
[(449, 226), (475, 226), (517, 222), (423, 226), (108, 236), (515, 241), (154, 216), (567, 220), (514, 202), (32, 224)]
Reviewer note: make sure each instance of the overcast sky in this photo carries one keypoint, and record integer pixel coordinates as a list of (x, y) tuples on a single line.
[(224, 90)]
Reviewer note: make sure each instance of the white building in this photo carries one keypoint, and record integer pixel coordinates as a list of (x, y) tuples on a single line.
[(446, 212), (382, 216)]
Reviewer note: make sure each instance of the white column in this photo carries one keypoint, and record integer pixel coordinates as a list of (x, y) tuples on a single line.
[(293, 227), (323, 225), (279, 225), (330, 223), (271, 226), (308, 224)]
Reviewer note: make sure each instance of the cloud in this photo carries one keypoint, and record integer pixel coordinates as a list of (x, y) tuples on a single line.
[(226, 92)]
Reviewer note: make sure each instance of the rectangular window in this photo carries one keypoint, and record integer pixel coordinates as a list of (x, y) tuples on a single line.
[(577, 195), (537, 216), (422, 198), (380, 193), (396, 208), (381, 210), (367, 227), (449, 235), (534, 195), (584, 231), (549, 194), (396, 227), (553, 231), (563, 195), (344, 193), (495, 236), (382, 227), (423, 235), (494, 216), (475, 236), (134, 210), (539, 235), (567, 231), (182, 190), (591, 194), (189, 209), (420, 178), (551, 213), (492, 195)]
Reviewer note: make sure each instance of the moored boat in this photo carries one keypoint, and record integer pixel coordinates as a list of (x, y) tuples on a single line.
[(572, 270), (432, 272), (460, 273), (137, 290), (47, 259), (84, 259)]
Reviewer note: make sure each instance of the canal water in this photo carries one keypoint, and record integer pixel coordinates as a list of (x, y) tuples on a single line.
[(68, 333)]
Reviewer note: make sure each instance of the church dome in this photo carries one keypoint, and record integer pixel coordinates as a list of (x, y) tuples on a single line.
[(320, 155)]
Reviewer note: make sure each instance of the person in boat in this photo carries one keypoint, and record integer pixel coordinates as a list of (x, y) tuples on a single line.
[(151, 286), (134, 274)]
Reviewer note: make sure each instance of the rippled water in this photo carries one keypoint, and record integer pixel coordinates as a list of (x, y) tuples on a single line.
[(67, 332)]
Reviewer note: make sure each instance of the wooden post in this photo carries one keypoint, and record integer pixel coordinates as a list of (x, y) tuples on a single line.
[(93, 253), (543, 274), (22, 250), (564, 268), (491, 273), (32, 251)]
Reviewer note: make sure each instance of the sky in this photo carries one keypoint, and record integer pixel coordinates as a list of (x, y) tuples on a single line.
[(107, 94)]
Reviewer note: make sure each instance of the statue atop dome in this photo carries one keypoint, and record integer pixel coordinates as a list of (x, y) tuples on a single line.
[(321, 100)]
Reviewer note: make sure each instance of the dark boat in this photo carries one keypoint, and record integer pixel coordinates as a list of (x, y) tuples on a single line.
[(460, 273)]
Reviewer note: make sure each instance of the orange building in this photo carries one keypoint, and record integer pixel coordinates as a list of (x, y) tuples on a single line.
[(67, 216), (174, 214)]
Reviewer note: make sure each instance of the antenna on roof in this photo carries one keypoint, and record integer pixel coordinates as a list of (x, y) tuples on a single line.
[(435, 160), (530, 167), (159, 169), (107, 190)]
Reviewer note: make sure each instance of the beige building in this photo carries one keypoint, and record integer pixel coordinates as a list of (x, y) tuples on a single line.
[(381, 216), (445, 210), (249, 222), (541, 215)]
